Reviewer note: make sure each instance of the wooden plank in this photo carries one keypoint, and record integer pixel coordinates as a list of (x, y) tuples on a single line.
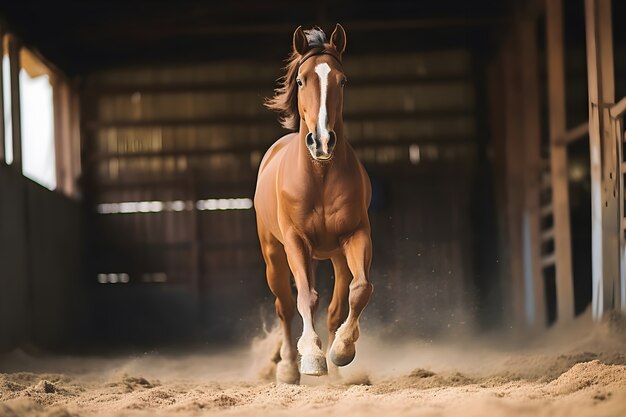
[(621, 194), (566, 137), (246, 149), (548, 261), (268, 118), (603, 151), (16, 113), (618, 108), (547, 234), (558, 159), (531, 128), (547, 210), (96, 90)]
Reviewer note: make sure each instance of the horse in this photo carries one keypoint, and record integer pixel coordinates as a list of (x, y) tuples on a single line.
[(311, 201)]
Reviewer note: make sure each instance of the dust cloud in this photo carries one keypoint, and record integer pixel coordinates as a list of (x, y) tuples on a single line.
[(579, 369)]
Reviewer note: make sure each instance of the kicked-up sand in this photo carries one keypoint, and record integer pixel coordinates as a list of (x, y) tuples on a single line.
[(578, 370)]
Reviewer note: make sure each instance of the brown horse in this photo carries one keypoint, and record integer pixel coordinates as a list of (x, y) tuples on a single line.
[(311, 203)]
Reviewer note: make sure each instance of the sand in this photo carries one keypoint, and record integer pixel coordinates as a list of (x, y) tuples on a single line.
[(574, 371)]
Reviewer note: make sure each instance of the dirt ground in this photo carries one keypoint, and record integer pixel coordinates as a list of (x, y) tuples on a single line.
[(575, 371)]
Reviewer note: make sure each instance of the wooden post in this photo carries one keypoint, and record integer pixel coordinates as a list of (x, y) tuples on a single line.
[(76, 143), (531, 154), (16, 114), (514, 176), (2, 123), (603, 154), (558, 161)]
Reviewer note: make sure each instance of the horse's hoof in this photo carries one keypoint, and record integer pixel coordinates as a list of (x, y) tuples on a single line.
[(287, 373), (342, 357), (313, 365)]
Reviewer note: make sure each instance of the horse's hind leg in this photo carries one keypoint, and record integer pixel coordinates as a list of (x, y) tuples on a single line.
[(278, 279), (338, 308), (358, 250)]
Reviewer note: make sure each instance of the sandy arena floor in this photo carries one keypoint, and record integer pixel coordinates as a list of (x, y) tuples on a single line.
[(571, 373)]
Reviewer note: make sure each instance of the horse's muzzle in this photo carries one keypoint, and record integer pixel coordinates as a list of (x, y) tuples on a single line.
[(321, 148)]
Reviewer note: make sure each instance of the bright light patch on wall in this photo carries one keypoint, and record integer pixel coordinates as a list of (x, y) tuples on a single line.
[(120, 278), (414, 154), (176, 205), (37, 129), (224, 204)]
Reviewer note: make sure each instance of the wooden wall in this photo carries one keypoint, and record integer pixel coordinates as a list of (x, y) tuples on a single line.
[(40, 261), (192, 132)]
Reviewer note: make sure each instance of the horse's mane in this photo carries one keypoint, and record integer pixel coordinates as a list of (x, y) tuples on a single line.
[(285, 99)]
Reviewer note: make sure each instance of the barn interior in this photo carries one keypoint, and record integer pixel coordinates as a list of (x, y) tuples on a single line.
[(132, 133)]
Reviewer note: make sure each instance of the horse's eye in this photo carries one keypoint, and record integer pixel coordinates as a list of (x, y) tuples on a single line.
[(299, 81), (343, 82)]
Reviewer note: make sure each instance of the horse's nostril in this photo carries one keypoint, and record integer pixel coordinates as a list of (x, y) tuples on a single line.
[(332, 140), (309, 140)]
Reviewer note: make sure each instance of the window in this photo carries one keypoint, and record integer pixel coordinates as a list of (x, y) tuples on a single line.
[(37, 108)]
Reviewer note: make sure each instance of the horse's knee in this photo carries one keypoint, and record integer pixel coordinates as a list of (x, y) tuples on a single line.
[(285, 309), (307, 300), (360, 293)]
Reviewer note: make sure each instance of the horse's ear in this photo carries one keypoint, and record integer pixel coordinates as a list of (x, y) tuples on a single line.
[(338, 39), (300, 43)]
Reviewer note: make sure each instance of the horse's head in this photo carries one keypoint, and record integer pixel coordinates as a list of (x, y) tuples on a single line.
[(320, 80)]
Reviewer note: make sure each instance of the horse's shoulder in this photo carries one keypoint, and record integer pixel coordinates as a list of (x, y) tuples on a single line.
[(275, 148)]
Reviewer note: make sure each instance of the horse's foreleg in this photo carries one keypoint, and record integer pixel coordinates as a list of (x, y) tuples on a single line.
[(338, 308), (358, 250), (313, 361), (278, 278)]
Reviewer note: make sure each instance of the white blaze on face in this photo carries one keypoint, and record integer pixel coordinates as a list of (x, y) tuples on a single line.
[(322, 70)]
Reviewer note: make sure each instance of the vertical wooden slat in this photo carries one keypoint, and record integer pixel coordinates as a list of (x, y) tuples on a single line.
[(603, 154), (16, 113), (2, 123), (75, 141), (59, 146), (621, 194), (558, 161), (531, 130)]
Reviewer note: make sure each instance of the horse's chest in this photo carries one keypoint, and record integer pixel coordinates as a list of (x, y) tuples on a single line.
[(325, 223)]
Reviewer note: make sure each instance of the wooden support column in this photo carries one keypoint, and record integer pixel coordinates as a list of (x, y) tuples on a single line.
[(16, 114), (558, 161), (513, 144), (63, 135), (2, 122), (603, 154), (534, 290)]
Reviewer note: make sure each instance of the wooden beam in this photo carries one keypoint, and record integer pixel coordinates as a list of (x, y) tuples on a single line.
[(531, 128), (604, 158), (566, 137), (16, 113), (558, 159)]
